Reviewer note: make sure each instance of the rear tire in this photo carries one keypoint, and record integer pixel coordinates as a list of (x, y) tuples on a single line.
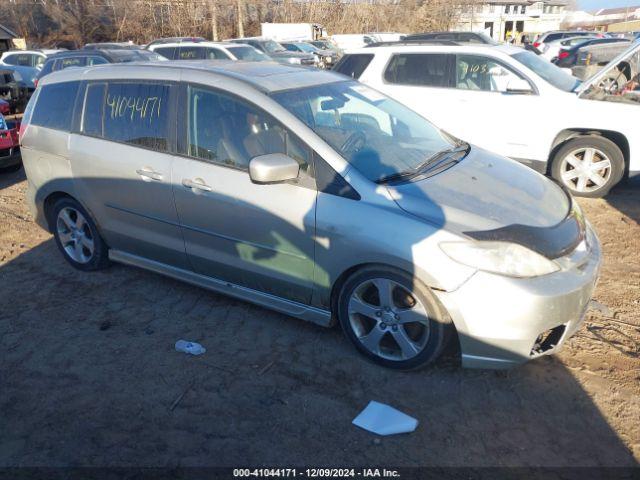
[(589, 166), (77, 236), (392, 319)]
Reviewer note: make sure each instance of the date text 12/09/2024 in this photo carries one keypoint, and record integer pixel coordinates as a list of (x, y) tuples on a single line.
[(315, 473)]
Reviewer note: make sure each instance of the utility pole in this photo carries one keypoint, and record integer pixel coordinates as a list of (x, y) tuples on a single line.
[(240, 18), (214, 20)]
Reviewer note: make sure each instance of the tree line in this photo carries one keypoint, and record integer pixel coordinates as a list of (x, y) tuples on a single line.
[(73, 23)]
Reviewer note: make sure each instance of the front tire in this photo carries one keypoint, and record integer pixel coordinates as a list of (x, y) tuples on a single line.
[(77, 236), (588, 166), (391, 318)]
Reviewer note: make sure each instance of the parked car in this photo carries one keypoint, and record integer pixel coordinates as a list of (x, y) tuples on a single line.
[(550, 50), (175, 40), (209, 51), (27, 58), (568, 56), (112, 46), (478, 92), (324, 58), (313, 195), (90, 58), (13, 90), (10, 158), (461, 37), (554, 35), (325, 45), (5, 108), (277, 52)]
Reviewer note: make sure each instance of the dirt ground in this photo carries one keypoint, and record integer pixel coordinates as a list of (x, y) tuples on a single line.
[(89, 375)]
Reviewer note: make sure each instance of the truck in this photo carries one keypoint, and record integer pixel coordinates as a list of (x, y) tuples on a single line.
[(293, 31)]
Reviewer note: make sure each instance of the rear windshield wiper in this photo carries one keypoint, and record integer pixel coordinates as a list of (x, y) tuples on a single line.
[(449, 155)]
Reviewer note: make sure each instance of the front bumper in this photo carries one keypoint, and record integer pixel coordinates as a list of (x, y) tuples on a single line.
[(10, 157), (500, 320)]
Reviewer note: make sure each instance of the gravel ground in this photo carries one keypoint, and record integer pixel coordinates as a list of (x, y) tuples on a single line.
[(89, 376)]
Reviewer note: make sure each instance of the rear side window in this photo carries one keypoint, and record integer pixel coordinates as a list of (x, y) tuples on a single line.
[(354, 65), (55, 105), (133, 113), (96, 61), (426, 70), (190, 53), (72, 62), (166, 52)]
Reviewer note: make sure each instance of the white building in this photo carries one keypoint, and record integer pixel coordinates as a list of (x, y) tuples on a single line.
[(500, 18)]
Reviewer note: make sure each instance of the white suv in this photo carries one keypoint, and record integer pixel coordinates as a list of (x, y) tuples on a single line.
[(510, 101)]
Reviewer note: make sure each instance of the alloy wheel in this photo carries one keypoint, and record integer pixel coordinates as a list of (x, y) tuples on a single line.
[(586, 169), (388, 320), (75, 235)]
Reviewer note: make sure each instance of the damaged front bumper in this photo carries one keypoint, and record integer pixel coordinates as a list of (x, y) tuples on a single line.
[(502, 321)]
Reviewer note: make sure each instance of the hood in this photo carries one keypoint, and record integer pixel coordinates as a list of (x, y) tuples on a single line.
[(327, 53), (484, 192), (625, 56)]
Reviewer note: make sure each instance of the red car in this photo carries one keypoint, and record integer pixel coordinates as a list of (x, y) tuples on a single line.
[(5, 108), (9, 144)]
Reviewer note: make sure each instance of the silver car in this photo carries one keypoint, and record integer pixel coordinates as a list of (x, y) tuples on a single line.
[(314, 195)]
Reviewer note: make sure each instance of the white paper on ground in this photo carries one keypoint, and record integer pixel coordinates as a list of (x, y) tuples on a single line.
[(384, 420)]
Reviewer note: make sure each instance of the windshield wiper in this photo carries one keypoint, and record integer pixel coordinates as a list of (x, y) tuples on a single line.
[(434, 161)]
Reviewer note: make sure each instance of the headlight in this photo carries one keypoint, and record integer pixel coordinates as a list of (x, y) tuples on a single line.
[(503, 258), (295, 60)]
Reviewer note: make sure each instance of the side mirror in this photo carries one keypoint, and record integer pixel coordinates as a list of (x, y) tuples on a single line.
[(273, 168), (519, 85)]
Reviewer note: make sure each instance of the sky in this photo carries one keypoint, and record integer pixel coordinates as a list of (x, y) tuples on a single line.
[(596, 4)]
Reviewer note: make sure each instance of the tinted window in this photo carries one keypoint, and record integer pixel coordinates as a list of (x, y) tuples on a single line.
[(166, 52), (225, 130), (474, 72), (72, 62), (55, 105), (429, 70), (248, 53), (190, 53), (96, 61), (353, 65), (134, 113), (216, 54)]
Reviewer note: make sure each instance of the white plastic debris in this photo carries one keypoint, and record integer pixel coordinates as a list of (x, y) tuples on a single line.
[(384, 420), (190, 347)]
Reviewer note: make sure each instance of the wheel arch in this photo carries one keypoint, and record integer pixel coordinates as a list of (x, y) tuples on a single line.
[(50, 200), (619, 139)]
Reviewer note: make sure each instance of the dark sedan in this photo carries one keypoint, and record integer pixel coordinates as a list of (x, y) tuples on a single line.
[(567, 57)]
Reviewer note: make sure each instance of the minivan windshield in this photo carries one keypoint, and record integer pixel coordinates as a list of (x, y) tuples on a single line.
[(556, 76), (380, 137)]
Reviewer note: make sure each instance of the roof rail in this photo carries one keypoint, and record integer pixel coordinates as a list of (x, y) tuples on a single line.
[(449, 43)]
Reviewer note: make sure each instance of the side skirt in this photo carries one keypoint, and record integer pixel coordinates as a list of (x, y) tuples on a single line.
[(288, 307)]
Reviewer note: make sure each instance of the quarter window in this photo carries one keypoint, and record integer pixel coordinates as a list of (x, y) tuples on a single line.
[(228, 131), (216, 54), (167, 52), (354, 65), (55, 105), (427, 70), (481, 73), (133, 113)]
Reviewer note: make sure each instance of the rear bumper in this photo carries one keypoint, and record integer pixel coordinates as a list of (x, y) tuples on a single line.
[(500, 320)]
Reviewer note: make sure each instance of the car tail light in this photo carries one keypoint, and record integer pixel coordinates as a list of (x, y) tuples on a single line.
[(35, 83), (563, 54), (536, 44)]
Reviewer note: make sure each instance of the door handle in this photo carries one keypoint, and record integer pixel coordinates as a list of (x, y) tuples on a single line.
[(150, 174), (197, 184)]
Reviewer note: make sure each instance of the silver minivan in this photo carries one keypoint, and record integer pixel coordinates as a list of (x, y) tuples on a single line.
[(314, 195)]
